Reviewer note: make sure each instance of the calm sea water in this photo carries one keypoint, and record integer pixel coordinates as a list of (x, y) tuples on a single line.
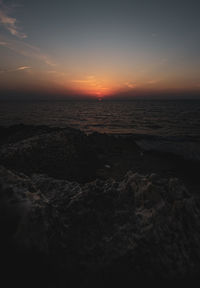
[(175, 121)]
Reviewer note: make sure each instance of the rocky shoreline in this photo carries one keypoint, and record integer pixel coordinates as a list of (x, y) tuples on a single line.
[(84, 210)]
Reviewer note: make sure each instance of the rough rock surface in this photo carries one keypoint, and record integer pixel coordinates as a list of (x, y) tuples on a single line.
[(62, 153), (67, 153), (141, 227), (71, 230)]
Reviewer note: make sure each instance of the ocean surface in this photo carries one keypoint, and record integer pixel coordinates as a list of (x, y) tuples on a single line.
[(167, 125)]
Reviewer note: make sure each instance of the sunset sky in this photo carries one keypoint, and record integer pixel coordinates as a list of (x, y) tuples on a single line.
[(79, 48)]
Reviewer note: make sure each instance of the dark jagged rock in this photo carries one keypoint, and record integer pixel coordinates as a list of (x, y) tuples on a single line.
[(72, 214), (67, 153), (62, 153), (143, 227)]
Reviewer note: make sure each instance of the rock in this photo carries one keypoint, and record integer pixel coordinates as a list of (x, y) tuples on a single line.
[(141, 227), (56, 152)]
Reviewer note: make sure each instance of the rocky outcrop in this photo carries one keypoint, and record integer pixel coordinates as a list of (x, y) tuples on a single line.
[(142, 227), (73, 215), (61, 153), (66, 153)]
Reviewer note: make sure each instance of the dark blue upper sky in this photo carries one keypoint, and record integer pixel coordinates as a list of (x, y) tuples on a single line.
[(100, 47)]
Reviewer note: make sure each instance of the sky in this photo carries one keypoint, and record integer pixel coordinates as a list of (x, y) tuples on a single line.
[(99, 49)]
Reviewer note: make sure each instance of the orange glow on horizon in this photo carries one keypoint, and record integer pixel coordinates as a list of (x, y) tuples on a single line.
[(98, 86), (92, 86)]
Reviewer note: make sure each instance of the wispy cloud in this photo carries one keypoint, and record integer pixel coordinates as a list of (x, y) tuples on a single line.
[(27, 50), (23, 68), (130, 85), (91, 80), (18, 45), (92, 83), (20, 68), (10, 23)]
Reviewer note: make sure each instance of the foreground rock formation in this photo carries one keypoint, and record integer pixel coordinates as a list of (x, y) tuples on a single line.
[(142, 226), (72, 215), (66, 153)]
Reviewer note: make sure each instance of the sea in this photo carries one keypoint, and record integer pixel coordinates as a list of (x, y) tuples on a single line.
[(161, 125)]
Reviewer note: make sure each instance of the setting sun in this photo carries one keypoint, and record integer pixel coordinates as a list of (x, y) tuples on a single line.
[(99, 143)]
